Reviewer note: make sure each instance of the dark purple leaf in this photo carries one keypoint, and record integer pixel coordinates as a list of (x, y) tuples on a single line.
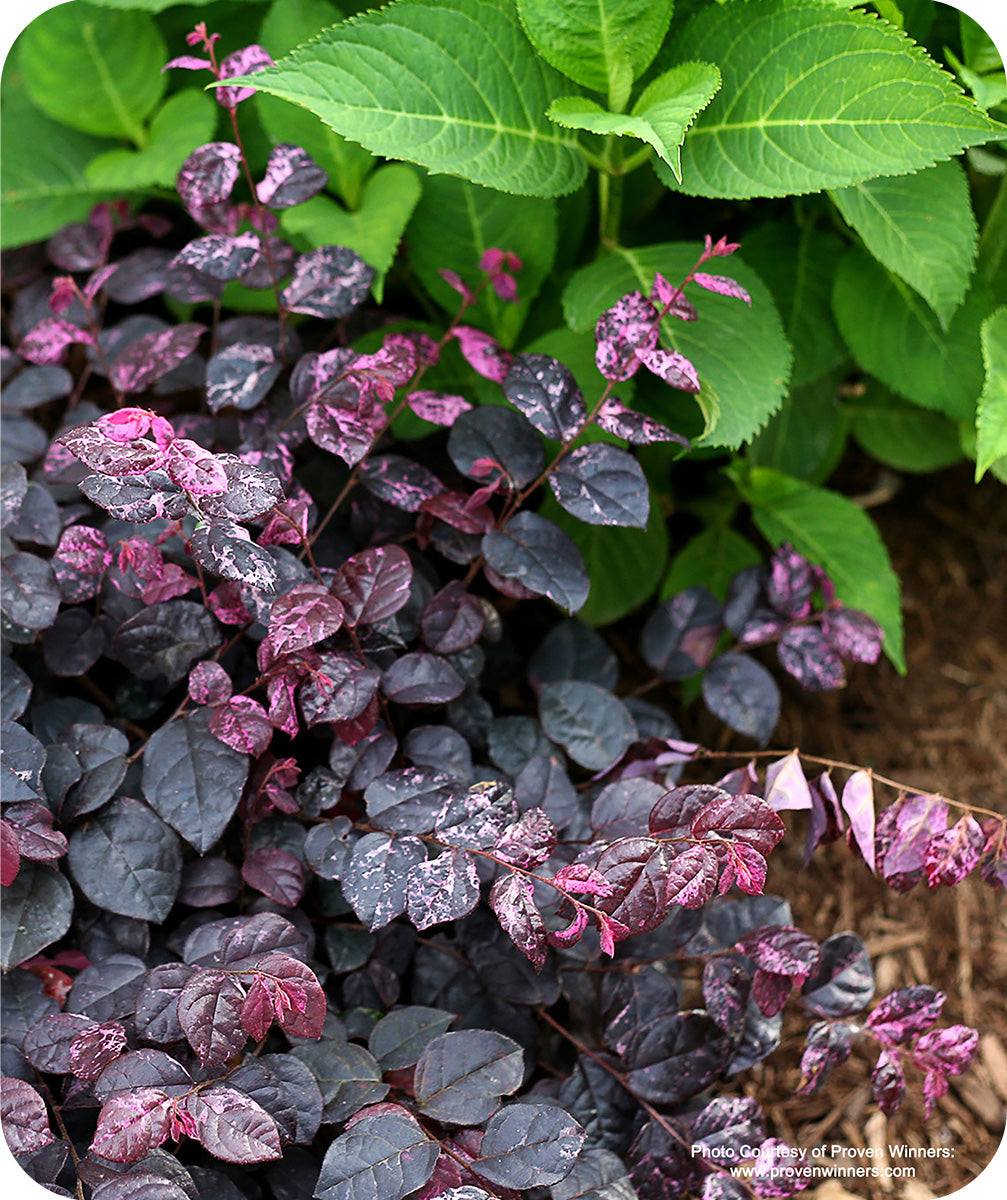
[(399, 481), (547, 393), (637, 870), (161, 641), (888, 1082), (33, 825), (385, 1155), (905, 1013), (154, 355), (631, 1000), (136, 499), (602, 485), (741, 818), (420, 678), (47, 1043), (219, 256), (953, 854), (844, 981), (126, 859), (529, 1145), (408, 800), (727, 986), (675, 1056), (743, 694), (729, 1124), (592, 725), (348, 1076), (244, 943), (139, 276), (628, 327), (373, 585), (828, 1045), (232, 1126), (498, 435), (209, 1012), (36, 911), (276, 873), (661, 1166), (807, 654), (296, 996), (24, 1117), (790, 583), (35, 386), (157, 1003), (192, 780), (30, 592), (329, 282), (445, 888), (453, 620), (132, 1124), (240, 375), (399, 1038), (374, 881), (208, 175), (209, 882), (142, 1068), (341, 690), (512, 898), (679, 636), (460, 1077), (292, 176)]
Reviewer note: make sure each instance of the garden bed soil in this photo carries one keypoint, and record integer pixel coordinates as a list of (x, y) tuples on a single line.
[(942, 727)]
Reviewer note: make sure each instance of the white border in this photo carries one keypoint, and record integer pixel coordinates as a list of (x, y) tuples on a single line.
[(992, 1183)]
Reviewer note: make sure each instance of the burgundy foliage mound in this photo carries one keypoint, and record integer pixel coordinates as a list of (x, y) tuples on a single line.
[(288, 881)]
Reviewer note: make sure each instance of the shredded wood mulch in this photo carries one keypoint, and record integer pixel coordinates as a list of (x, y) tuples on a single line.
[(942, 727)]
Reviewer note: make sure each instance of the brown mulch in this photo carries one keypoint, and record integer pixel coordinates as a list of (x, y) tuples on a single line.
[(942, 727)]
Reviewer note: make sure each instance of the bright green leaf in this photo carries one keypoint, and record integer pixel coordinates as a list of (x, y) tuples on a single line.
[(712, 558), (816, 97), (894, 334), (593, 41), (798, 266), (374, 230), (660, 117), (805, 438), (450, 84), (833, 532), (96, 71), (456, 221), (44, 186), (287, 24), (991, 422), (155, 6), (741, 354), (921, 227), (902, 435), (624, 565), (185, 120)]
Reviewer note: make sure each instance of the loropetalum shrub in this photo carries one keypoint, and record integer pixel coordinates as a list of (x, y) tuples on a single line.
[(290, 876)]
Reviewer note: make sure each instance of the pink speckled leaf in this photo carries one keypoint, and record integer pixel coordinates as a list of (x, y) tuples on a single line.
[(292, 176), (303, 617), (953, 854), (245, 61), (445, 888), (904, 1013), (635, 428), (243, 724), (483, 353), (47, 340), (439, 408), (674, 368), (512, 899), (723, 286), (195, 469), (209, 683), (80, 562), (154, 355), (622, 333)]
